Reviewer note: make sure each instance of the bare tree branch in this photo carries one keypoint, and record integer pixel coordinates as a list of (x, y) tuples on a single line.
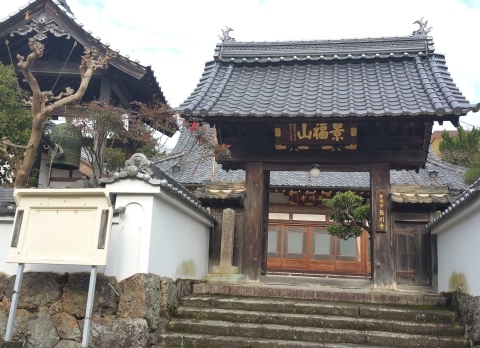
[(37, 52), (7, 144), (90, 62)]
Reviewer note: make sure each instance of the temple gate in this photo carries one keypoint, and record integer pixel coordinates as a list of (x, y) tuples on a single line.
[(360, 105)]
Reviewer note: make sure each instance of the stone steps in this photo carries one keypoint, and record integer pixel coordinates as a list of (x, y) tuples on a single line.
[(349, 309), (306, 292), (207, 341), (211, 321), (326, 321)]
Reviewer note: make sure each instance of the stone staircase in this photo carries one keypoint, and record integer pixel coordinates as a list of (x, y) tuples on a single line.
[(215, 316)]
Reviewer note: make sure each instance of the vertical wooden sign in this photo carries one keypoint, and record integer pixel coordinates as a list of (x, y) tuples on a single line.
[(381, 210)]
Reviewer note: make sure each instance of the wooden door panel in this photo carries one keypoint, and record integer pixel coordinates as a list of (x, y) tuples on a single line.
[(274, 262), (412, 253), (322, 265), (348, 266), (422, 265), (294, 264), (310, 248)]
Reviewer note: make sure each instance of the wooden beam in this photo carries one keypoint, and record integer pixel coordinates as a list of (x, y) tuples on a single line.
[(63, 179), (122, 93), (383, 262), (71, 69), (255, 195), (106, 90), (355, 157), (54, 68), (293, 209), (224, 121), (433, 256), (274, 167)]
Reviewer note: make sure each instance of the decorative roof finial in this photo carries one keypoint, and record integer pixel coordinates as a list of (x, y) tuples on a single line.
[(423, 30), (63, 3), (226, 34)]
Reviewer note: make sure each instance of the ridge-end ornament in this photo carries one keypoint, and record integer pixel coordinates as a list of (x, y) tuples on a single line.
[(226, 34), (423, 30)]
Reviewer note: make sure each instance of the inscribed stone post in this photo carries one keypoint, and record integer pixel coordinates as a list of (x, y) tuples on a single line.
[(228, 228), (226, 272)]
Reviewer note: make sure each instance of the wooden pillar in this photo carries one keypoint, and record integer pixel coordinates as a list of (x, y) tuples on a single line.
[(266, 188), (101, 135), (255, 196), (433, 255), (383, 262), (106, 89)]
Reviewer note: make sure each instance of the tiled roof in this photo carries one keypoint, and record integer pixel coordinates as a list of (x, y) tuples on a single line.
[(139, 167), (420, 194), (334, 78), (7, 202), (187, 165), (6, 195), (221, 190)]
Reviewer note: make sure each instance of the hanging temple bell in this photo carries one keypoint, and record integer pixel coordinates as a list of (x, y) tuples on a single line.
[(70, 139)]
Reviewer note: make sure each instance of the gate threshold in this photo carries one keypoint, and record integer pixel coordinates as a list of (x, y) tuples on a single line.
[(327, 280)]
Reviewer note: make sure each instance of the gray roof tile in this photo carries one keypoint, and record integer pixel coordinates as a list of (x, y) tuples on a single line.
[(252, 79), (6, 195)]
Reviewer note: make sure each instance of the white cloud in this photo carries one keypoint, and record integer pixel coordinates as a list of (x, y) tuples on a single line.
[(177, 37)]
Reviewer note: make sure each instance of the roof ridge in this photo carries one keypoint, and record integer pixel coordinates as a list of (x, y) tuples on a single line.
[(385, 47), (329, 41)]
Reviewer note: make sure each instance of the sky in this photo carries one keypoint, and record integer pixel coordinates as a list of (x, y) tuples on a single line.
[(177, 37)]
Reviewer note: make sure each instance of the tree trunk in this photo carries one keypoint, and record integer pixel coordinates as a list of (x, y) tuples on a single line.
[(21, 180), (98, 157)]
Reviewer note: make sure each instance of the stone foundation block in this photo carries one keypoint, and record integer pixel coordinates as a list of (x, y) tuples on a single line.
[(225, 269), (225, 278)]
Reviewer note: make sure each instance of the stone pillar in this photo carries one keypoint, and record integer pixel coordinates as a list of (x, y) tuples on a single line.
[(226, 249), (226, 272)]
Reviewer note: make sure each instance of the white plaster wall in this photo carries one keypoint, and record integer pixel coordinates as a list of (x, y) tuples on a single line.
[(458, 250), (129, 239), (158, 233), (6, 226), (179, 243)]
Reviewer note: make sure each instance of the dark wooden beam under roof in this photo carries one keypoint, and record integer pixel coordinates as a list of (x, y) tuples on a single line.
[(67, 69), (348, 158), (54, 68), (122, 93)]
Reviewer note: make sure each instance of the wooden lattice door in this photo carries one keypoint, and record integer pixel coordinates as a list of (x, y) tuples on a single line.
[(307, 248), (412, 253)]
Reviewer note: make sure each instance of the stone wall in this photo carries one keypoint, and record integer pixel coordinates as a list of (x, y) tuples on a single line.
[(468, 310), (51, 309)]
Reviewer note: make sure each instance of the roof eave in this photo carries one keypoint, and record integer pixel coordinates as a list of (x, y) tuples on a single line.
[(74, 29)]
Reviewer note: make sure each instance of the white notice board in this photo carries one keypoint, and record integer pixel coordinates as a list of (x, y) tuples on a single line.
[(61, 226)]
